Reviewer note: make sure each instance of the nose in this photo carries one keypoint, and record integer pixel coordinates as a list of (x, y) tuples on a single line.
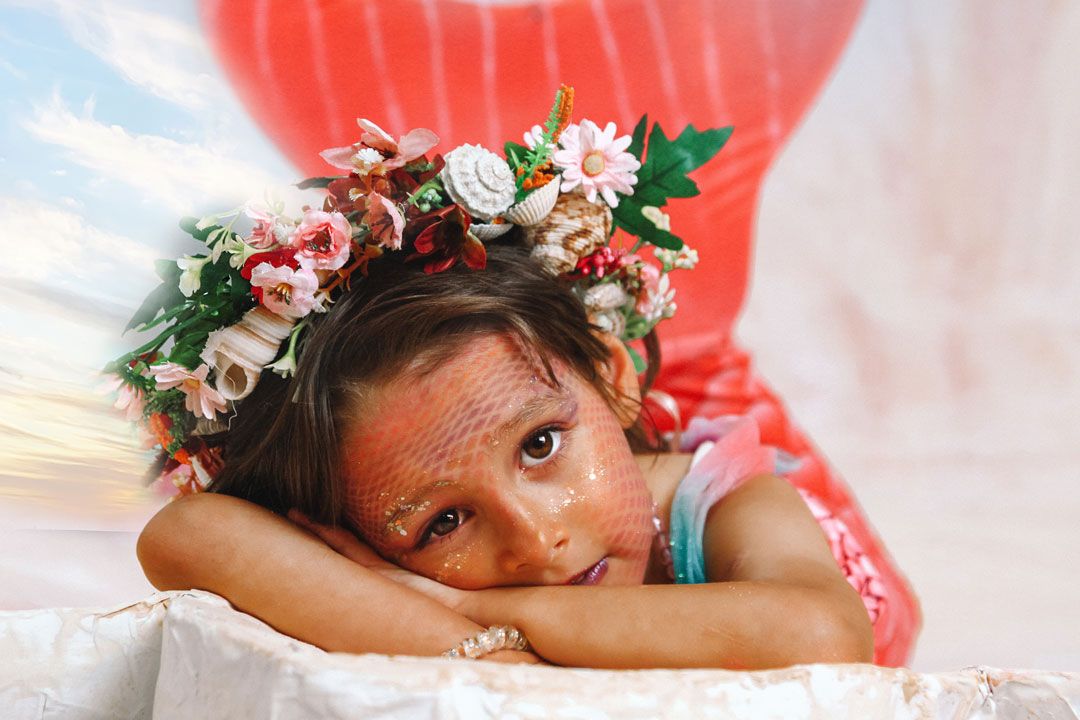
[(533, 538)]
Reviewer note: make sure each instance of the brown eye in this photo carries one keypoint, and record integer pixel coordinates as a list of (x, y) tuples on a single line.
[(540, 446), (444, 523)]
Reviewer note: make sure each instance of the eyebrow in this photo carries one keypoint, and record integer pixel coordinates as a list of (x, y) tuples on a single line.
[(531, 408), (534, 406)]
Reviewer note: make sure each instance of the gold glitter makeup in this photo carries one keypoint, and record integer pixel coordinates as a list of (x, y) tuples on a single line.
[(520, 519)]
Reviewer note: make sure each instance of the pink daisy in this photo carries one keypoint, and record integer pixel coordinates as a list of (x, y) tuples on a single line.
[(202, 400), (597, 161)]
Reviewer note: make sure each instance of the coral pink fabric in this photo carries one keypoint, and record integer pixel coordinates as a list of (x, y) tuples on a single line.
[(475, 71)]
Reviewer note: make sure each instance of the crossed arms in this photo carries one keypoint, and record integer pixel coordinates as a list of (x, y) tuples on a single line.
[(779, 598)]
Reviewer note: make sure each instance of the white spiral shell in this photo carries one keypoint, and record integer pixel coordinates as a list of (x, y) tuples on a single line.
[(239, 352), (479, 181)]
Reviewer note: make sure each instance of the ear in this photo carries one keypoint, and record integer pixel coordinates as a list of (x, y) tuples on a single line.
[(620, 373)]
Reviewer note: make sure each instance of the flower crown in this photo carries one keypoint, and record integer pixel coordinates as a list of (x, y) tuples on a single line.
[(224, 316)]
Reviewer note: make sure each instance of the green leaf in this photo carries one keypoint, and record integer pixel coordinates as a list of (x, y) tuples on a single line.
[(640, 365), (316, 182), (159, 298), (189, 224), (216, 235), (167, 270), (514, 153), (238, 286), (166, 316), (664, 172), (195, 228), (213, 276), (637, 139), (185, 355), (628, 216)]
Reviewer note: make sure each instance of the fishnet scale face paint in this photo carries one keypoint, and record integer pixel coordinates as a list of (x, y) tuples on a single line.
[(435, 483)]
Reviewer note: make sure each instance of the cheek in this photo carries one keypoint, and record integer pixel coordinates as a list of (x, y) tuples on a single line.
[(619, 502), (463, 567), (428, 434)]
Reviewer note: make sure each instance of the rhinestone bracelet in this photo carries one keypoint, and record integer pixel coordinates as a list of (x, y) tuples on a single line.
[(485, 642)]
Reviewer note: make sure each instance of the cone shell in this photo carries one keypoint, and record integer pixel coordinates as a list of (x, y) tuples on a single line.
[(536, 206), (239, 352), (555, 258), (489, 231), (575, 225)]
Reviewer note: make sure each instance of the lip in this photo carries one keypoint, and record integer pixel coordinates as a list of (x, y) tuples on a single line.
[(590, 575)]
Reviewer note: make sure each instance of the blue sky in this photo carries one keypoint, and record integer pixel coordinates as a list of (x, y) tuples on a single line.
[(116, 121)]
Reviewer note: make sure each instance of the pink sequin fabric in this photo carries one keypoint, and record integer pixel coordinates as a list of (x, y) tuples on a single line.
[(850, 556)]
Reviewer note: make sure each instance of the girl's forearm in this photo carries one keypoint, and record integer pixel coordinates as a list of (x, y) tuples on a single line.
[(267, 567), (738, 625)]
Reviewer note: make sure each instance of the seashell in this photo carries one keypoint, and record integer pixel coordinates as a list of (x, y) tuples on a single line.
[(555, 258), (489, 231), (606, 296), (479, 181), (536, 206), (611, 321), (576, 224), (238, 352)]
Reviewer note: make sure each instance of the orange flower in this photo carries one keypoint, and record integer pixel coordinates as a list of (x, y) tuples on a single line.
[(160, 426), (563, 111)]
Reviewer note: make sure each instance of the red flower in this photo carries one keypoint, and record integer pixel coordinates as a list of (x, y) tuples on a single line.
[(442, 237), (346, 195), (277, 258)]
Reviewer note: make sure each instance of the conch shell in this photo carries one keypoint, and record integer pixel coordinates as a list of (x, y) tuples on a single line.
[(479, 181), (239, 352), (536, 206), (574, 228)]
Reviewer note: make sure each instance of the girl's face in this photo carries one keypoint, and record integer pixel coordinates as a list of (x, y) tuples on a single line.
[(481, 473)]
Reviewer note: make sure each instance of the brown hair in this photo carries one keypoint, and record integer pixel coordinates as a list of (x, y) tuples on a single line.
[(282, 449)]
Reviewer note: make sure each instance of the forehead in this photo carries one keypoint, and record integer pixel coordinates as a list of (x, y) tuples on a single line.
[(438, 426)]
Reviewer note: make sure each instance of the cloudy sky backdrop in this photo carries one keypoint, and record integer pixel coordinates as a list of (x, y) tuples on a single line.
[(115, 123)]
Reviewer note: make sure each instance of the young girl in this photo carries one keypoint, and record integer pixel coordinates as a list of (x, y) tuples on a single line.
[(464, 448)]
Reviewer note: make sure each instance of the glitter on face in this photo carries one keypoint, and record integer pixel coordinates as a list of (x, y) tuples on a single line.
[(519, 523)]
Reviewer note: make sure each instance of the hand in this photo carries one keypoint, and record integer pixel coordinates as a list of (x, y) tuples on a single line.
[(346, 543)]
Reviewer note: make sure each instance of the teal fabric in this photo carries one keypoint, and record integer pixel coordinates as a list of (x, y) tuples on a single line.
[(686, 528), (689, 510)]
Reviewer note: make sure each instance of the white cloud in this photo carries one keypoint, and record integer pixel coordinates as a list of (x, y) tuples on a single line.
[(57, 247), (164, 55), (12, 70), (181, 176)]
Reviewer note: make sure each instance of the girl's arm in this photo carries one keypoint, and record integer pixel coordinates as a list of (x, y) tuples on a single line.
[(270, 568), (778, 598)]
